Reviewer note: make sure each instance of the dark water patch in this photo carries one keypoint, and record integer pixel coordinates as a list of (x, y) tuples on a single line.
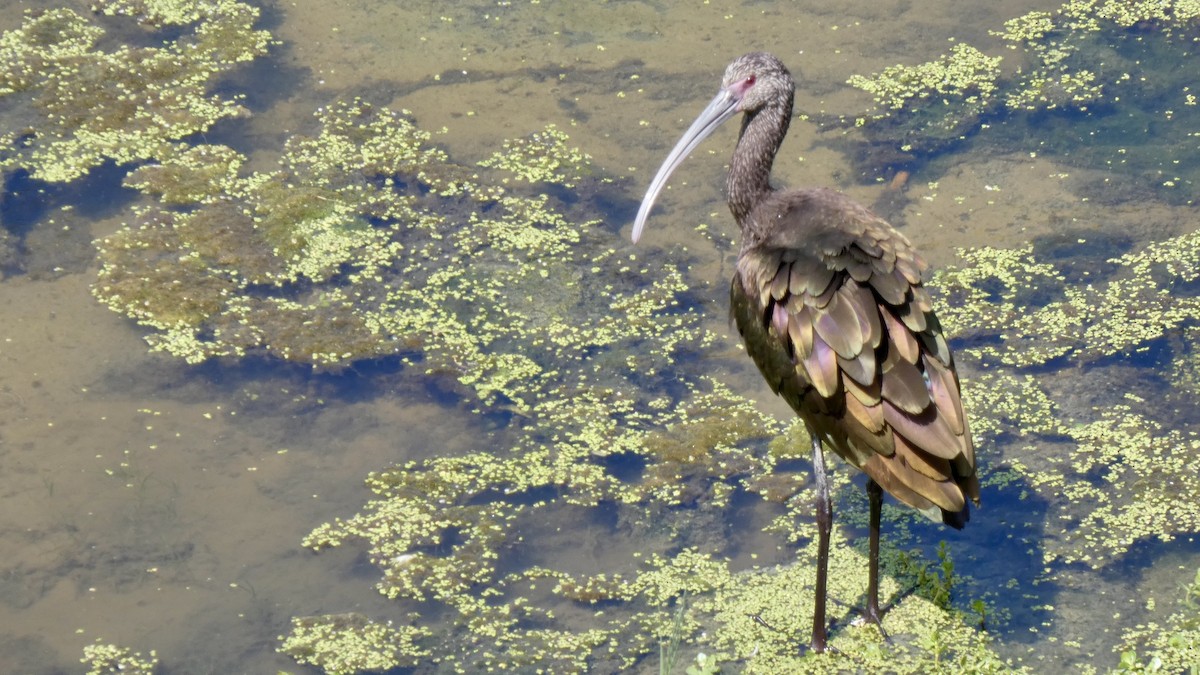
[(616, 203), (25, 201), (267, 386), (122, 32), (1112, 189), (1146, 556), (31, 654), (793, 465), (565, 195), (1081, 256), (626, 467), (1082, 389), (1000, 554), (1185, 288), (569, 106), (577, 540), (259, 86), (743, 537)]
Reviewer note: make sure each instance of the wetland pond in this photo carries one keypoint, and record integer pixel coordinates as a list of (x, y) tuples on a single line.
[(323, 346)]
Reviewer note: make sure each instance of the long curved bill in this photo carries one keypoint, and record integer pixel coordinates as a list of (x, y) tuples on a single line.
[(719, 109)]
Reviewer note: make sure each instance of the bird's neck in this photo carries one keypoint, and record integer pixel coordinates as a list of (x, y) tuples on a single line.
[(750, 170)]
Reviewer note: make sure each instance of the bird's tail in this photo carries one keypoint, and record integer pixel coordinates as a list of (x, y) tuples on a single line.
[(956, 519)]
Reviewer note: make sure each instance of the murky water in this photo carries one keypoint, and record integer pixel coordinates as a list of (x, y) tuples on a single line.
[(160, 506)]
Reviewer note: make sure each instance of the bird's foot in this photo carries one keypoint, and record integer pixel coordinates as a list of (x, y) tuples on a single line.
[(819, 645), (822, 648), (872, 617)]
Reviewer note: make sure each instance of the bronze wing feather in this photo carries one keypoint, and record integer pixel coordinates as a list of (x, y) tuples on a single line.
[(833, 311)]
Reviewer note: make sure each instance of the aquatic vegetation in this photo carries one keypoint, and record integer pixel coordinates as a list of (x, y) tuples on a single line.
[(542, 157), (934, 102), (754, 615), (76, 105), (369, 242), (1118, 475), (109, 659), (1172, 646), (439, 529), (1038, 318), (1123, 480), (1108, 67), (352, 643)]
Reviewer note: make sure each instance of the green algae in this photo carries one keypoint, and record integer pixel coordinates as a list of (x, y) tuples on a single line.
[(81, 105)]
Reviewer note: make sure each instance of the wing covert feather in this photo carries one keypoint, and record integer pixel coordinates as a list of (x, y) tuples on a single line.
[(835, 315)]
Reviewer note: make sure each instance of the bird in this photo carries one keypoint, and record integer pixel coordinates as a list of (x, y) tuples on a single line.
[(829, 300)]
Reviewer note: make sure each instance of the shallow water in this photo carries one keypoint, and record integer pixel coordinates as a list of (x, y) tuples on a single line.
[(161, 506)]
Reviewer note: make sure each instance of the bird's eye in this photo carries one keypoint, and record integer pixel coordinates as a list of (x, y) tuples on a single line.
[(750, 81)]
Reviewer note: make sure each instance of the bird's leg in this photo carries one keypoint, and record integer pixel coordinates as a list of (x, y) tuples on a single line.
[(824, 526), (875, 498)]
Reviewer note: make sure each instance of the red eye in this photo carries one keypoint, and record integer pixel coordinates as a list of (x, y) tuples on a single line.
[(750, 81)]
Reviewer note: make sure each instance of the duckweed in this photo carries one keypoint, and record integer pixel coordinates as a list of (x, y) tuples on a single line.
[(1088, 57), (109, 659), (88, 106)]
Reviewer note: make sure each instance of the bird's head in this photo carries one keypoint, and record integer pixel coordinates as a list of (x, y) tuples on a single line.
[(751, 83), (756, 79)]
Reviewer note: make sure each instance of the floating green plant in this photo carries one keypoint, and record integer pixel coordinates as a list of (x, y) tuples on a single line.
[(1170, 645), (1102, 71), (542, 157), (76, 105), (1037, 317), (1116, 475), (351, 643), (935, 102), (109, 659)]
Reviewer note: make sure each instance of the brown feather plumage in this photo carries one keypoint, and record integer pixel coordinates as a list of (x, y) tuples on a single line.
[(869, 346)]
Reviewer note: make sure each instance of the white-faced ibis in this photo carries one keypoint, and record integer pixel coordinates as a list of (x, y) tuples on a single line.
[(829, 300)]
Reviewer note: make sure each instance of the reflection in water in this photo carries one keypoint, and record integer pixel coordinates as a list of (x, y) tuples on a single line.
[(161, 506)]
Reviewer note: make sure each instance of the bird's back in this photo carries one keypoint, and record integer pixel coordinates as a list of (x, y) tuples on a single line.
[(829, 300)]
